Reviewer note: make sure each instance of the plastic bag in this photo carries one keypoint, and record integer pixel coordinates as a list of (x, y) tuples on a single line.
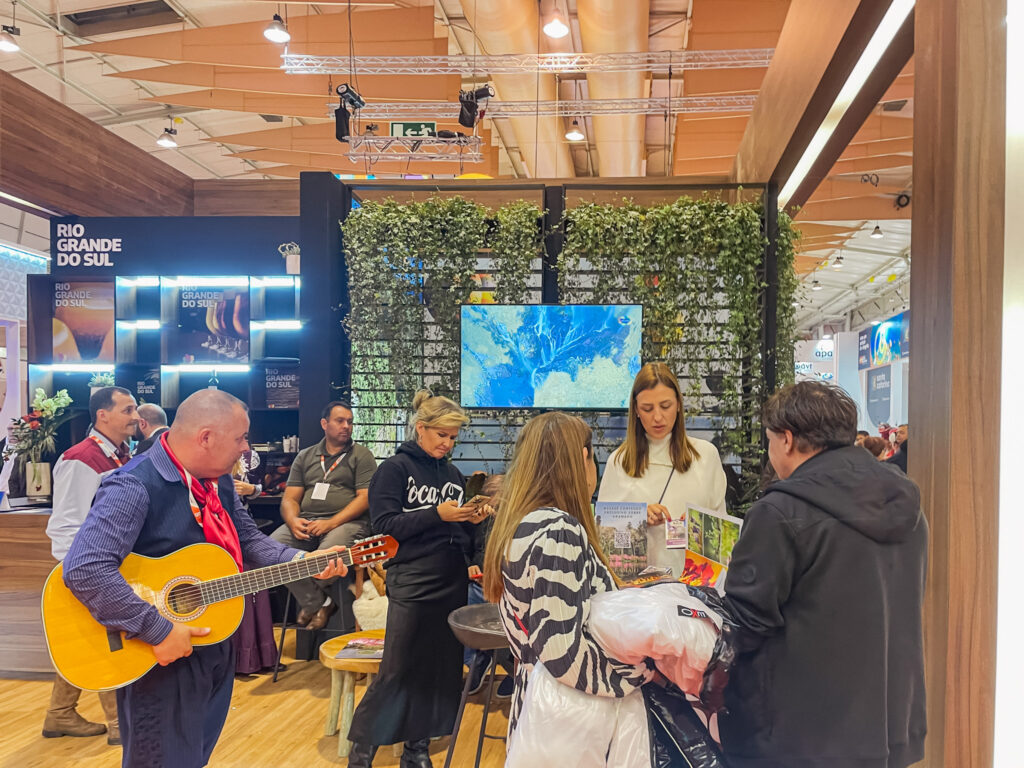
[(678, 736), (663, 622), (561, 727)]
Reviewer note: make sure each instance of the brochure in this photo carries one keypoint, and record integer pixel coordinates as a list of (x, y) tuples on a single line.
[(710, 538), (622, 526), (362, 648)]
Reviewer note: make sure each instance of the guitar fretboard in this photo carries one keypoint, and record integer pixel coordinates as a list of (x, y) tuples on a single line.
[(248, 582)]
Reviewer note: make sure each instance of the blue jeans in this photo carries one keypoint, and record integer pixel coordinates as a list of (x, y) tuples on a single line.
[(475, 597)]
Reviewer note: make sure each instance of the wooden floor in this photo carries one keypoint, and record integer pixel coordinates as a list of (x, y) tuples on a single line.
[(270, 724)]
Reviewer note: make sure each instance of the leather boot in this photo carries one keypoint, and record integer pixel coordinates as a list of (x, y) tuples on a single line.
[(361, 755), (62, 719), (108, 699), (416, 754)]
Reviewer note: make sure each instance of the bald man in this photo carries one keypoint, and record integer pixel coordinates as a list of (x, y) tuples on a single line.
[(178, 493), (152, 424)]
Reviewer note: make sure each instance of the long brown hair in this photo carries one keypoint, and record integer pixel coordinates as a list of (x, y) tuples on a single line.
[(635, 452), (548, 470)]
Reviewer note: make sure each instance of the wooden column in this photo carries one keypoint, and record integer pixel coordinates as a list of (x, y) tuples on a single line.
[(956, 318)]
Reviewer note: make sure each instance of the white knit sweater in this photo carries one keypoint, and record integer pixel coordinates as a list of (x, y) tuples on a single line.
[(702, 484)]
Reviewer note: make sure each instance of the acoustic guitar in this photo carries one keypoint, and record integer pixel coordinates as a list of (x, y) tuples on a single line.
[(198, 585)]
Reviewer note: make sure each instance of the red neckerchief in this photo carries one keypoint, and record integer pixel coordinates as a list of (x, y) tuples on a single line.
[(216, 523)]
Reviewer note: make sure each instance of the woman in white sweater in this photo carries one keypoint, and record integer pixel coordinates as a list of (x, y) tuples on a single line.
[(660, 465)]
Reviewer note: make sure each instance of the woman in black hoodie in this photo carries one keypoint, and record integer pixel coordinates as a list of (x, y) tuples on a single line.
[(417, 496)]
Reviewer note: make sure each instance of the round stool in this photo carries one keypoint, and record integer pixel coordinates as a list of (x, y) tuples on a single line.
[(477, 627), (343, 683)]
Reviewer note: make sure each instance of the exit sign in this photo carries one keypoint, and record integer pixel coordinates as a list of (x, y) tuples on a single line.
[(412, 129)]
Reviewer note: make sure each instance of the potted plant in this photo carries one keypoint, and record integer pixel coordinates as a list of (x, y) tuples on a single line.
[(100, 380), (32, 437)]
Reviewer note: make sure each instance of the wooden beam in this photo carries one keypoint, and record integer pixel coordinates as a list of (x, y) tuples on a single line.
[(869, 164), (819, 47), (398, 32), (957, 317), (54, 157), (854, 208)]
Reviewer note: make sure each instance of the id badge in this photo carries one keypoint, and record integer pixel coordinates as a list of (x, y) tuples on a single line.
[(320, 491)]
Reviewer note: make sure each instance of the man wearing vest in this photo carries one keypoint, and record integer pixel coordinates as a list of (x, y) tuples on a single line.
[(76, 477), (326, 504), (178, 493)]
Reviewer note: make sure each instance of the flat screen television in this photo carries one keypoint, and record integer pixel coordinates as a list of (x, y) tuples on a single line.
[(567, 356)]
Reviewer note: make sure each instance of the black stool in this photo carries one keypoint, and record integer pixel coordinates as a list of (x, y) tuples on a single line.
[(477, 627)]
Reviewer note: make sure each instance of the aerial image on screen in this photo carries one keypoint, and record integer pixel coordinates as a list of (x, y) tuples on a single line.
[(542, 356)]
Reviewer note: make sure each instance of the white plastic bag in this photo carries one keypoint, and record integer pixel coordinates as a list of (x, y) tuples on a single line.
[(561, 727), (662, 622)]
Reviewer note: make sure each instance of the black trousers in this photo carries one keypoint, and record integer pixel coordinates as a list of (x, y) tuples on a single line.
[(416, 695)]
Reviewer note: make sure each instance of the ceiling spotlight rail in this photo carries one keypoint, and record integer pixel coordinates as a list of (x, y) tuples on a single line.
[(467, 149), (431, 110), (516, 63)]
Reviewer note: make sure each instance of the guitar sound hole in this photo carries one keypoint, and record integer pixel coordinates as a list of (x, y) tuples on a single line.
[(184, 599)]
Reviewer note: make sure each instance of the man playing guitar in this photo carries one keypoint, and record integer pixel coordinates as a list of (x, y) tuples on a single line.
[(178, 493)]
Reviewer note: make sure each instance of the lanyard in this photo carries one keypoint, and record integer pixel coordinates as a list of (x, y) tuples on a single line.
[(328, 471), (106, 450)]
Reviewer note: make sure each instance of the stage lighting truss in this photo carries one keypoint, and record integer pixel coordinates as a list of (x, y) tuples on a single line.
[(518, 63), (466, 149), (432, 110)]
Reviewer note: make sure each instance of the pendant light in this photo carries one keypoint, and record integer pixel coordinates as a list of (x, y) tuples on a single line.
[(815, 285), (574, 133), (556, 28), (277, 30), (166, 139), (877, 233), (10, 32)]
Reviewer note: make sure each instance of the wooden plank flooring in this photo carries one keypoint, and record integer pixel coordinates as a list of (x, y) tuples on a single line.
[(270, 725)]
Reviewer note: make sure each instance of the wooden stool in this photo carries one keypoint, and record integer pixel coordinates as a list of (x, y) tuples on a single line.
[(343, 685)]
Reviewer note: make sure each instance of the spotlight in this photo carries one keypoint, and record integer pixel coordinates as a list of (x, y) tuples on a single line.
[(556, 28), (349, 96), (166, 138), (574, 133), (341, 132), (469, 104), (277, 30), (815, 285), (877, 233), (8, 33)]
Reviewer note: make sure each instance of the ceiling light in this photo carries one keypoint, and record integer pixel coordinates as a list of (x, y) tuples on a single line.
[(574, 133), (277, 31), (826, 336), (556, 28), (8, 33), (877, 233), (869, 58), (815, 285), (166, 138), (838, 263)]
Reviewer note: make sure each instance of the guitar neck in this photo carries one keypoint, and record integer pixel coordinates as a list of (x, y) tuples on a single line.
[(248, 582)]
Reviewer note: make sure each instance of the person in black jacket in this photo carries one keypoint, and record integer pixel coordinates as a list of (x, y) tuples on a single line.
[(826, 583), (417, 497)]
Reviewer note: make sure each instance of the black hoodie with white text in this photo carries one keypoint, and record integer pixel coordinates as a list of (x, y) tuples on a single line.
[(404, 494), (827, 585)]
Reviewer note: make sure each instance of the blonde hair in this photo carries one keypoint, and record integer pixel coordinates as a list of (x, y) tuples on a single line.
[(437, 412), (548, 470), (634, 454)]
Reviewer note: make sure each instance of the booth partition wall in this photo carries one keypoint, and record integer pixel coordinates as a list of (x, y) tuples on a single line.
[(692, 274)]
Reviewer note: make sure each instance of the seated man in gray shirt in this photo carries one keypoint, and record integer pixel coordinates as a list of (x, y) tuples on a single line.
[(326, 504)]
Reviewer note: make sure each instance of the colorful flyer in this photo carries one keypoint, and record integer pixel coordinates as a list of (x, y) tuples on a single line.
[(623, 529), (676, 534), (710, 538)]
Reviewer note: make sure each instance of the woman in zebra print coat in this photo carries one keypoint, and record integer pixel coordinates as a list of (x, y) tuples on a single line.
[(544, 562)]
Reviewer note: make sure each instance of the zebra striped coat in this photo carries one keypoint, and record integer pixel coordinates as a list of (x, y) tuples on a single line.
[(549, 576)]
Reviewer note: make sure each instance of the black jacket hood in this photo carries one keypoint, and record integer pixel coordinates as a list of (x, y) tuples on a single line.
[(412, 449), (859, 491)]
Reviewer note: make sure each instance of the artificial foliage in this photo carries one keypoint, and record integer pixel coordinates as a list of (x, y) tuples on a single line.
[(696, 266), (411, 266)]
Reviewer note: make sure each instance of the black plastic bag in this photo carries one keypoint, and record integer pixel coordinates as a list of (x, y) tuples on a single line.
[(678, 737)]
